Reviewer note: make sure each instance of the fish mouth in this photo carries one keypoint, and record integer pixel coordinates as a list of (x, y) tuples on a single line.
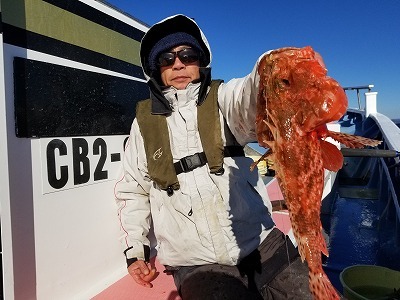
[(334, 116), (331, 110), (335, 103), (339, 105)]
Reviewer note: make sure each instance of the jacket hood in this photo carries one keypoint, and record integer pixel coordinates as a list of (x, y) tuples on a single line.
[(176, 23), (173, 24)]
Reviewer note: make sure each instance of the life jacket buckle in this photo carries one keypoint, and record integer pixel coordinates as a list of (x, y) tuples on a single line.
[(190, 162)]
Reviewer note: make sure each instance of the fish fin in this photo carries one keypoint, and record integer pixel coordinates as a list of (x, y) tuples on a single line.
[(353, 141), (332, 158), (321, 287), (263, 157), (304, 248), (322, 244), (271, 128)]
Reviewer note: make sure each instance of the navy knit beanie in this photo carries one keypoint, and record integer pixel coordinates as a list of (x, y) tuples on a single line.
[(170, 41)]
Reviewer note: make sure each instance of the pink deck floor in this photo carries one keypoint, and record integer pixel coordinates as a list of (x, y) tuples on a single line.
[(163, 286), (126, 289)]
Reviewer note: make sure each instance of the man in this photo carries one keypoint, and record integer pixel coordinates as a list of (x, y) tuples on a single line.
[(185, 173)]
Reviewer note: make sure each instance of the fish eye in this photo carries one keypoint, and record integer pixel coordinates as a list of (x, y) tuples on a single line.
[(285, 82)]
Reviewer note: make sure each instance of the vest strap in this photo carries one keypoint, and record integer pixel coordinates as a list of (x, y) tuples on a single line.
[(209, 126), (191, 162), (233, 151)]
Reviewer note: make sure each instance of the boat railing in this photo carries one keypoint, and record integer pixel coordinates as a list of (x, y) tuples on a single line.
[(370, 122), (390, 131), (390, 172), (358, 89)]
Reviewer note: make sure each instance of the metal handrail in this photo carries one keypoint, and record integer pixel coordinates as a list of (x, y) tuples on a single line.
[(358, 88)]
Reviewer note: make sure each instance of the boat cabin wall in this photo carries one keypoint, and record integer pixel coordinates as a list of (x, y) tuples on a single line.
[(70, 78)]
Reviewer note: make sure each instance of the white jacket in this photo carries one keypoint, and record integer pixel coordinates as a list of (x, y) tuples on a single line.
[(211, 218)]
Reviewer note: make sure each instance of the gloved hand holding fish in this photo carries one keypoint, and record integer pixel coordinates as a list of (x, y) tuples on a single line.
[(296, 100)]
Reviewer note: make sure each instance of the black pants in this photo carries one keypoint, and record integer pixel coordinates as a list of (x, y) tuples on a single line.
[(273, 271)]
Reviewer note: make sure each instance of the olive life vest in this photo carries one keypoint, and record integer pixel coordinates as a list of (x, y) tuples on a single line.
[(160, 164)]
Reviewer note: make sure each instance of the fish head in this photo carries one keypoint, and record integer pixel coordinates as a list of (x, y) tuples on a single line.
[(297, 90)]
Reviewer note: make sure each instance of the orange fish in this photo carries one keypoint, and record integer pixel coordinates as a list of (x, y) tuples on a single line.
[(296, 100)]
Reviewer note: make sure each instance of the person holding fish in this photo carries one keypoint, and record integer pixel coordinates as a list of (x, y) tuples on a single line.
[(185, 174)]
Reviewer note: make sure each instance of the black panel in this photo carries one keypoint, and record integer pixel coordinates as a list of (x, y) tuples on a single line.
[(30, 40), (58, 101)]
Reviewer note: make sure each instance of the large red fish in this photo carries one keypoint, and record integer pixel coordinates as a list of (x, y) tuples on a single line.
[(296, 99)]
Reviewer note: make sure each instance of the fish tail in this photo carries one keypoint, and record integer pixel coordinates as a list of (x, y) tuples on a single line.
[(321, 287)]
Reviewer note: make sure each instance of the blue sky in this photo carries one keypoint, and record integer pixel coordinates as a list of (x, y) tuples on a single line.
[(358, 39)]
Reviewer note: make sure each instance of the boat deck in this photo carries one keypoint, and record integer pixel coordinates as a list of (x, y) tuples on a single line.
[(163, 285), (126, 289)]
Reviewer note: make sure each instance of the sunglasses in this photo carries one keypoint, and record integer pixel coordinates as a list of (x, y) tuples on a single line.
[(186, 56)]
